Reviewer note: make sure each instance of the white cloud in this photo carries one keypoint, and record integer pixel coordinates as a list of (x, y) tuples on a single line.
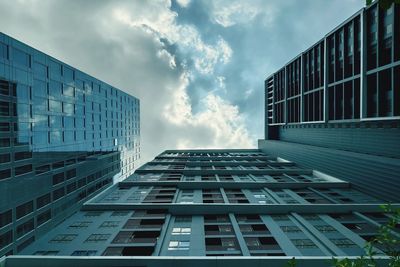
[(183, 3), (162, 24), (228, 13)]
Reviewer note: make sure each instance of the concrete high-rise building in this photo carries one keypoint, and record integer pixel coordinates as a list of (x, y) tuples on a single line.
[(336, 106), (196, 207), (64, 136)]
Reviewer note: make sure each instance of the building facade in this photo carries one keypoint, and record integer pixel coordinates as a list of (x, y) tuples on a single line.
[(64, 136), (343, 95), (214, 207)]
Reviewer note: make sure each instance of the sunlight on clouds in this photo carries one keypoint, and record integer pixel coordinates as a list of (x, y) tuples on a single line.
[(218, 117), (228, 13), (163, 25), (183, 3)]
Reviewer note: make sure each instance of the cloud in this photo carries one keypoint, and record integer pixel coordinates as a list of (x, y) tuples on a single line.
[(228, 13), (183, 3), (163, 26)]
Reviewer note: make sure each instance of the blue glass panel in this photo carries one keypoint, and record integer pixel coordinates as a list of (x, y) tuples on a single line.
[(40, 70), (55, 89), (55, 70), (23, 93), (69, 136), (40, 138), (79, 110), (3, 51), (79, 123), (39, 88), (55, 137), (68, 75), (68, 108), (68, 90), (80, 136), (55, 106), (39, 105), (55, 122), (40, 122), (21, 57), (23, 111), (68, 122)]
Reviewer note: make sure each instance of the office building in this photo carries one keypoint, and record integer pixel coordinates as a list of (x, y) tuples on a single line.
[(214, 207), (336, 106), (64, 136)]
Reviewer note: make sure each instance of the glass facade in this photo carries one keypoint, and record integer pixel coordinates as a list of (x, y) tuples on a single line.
[(63, 136), (350, 75)]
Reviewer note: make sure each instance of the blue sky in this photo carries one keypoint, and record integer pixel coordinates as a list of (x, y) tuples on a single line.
[(197, 66)]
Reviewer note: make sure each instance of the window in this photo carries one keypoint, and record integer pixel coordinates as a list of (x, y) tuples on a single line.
[(25, 228), (4, 142), (5, 174), (325, 228), (22, 155), (23, 169), (21, 57), (46, 252), (179, 245), (181, 231), (84, 253), (83, 224), (63, 238), (58, 178), (43, 201), (24, 209), (58, 193), (343, 243), (4, 126), (4, 108), (290, 229), (40, 70), (71, 187), (5, 218), (26, 243), (94, 238), (6, 239), (70, 174), (304, 243), (68, 74), (93, 213), (43, 217), (3, 51), (110, 224)]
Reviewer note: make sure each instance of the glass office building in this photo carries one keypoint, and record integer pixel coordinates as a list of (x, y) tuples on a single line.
[(218, 208), (64, 135), (337, 104)]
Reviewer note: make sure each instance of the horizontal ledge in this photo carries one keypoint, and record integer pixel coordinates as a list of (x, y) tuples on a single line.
[(176, 208), (173, 261)]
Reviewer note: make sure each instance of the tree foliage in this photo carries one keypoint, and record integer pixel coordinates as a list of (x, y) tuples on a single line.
[(387, 240)]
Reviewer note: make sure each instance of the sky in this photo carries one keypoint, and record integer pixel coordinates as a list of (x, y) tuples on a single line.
[(197, 66)]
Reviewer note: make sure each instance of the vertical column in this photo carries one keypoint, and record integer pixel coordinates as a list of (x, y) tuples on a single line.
[(238, 234), (285, 97), (325, 92), (363, 62), (197, 238), (301, 88)]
